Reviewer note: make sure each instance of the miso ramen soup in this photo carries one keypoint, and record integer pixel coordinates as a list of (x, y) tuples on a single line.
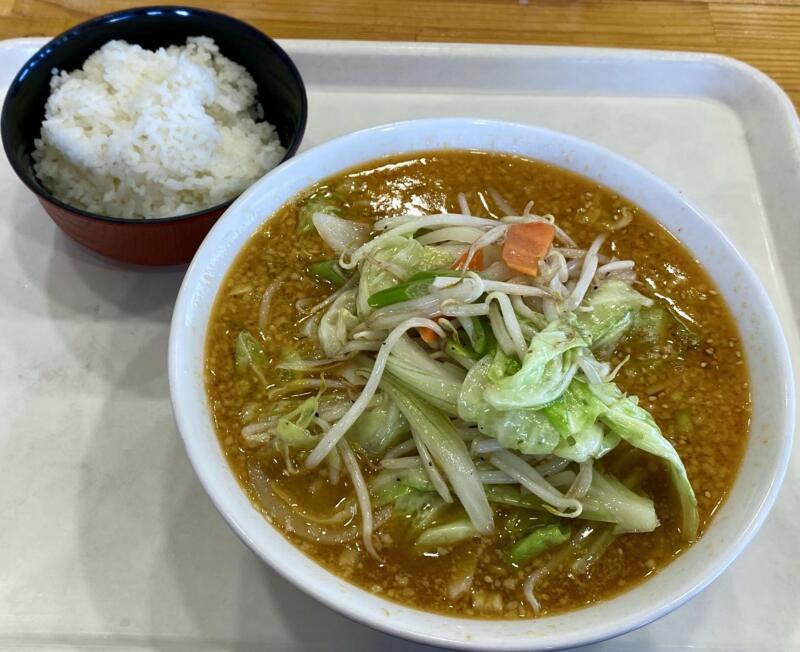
[(477, 384)]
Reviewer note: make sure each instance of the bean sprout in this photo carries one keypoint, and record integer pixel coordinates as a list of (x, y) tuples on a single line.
[(401, 449), (362, 495), (502, 204), (511, 322), (401, 462), (266, 302), (587, 274), (528, 477), (338, 430), (499, 329), (430, 468)]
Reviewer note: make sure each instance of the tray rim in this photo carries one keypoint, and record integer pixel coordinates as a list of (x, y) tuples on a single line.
[(596, 54)]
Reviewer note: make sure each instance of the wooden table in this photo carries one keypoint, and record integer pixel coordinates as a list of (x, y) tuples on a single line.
[(764, 33)]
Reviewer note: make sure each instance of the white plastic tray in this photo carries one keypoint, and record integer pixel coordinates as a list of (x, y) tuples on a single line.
[(108, 541)]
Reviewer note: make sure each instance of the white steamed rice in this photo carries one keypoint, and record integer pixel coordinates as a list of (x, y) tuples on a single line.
[(142, 134)]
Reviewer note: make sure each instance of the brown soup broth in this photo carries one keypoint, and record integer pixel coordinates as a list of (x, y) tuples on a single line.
[(699, 398)]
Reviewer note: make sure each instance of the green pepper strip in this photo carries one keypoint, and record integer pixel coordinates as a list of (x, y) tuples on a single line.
[(330, 271), (417, 286)]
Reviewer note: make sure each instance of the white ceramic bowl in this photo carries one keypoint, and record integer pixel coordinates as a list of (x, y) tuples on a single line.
[(734, 525)]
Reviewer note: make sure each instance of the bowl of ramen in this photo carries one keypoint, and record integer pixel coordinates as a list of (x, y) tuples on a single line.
[(481, 385)]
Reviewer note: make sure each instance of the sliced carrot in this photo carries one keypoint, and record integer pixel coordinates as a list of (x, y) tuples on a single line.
[(526, 244), (476, 264), (428, 335)]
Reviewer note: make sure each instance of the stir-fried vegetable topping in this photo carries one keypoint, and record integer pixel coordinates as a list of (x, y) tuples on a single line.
[(470, 359)]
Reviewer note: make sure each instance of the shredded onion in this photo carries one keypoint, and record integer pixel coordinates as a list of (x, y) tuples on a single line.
[(278, 511), (466, 234), (339, 233)]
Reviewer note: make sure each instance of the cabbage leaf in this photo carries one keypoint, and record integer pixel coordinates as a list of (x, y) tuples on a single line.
[(575, 410), (614, 306), (250, 355), (392, 262), (379, 427), (540, 540), (546, 371), (527, 431), (637, 426), (610, 501), (336, 323)]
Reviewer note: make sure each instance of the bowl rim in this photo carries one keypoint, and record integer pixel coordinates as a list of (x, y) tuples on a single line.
[(353, 609), (42, 54)]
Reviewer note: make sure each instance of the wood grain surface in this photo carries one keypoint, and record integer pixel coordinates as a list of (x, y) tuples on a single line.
[(764, 33)]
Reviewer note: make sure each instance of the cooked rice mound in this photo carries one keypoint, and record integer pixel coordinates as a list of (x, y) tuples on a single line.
[(143, 134)]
